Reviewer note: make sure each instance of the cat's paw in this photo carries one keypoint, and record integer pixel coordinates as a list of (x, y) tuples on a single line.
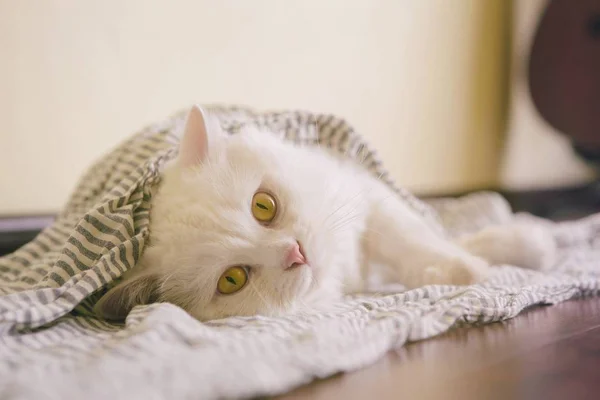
[(464, 270)]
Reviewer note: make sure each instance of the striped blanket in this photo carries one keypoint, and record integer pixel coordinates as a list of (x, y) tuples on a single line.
[(53, 347)]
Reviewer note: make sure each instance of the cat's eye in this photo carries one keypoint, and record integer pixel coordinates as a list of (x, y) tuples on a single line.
[(264, 207), (232, 280)]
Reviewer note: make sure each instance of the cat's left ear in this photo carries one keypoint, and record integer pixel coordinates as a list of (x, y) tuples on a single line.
[(199, 136)]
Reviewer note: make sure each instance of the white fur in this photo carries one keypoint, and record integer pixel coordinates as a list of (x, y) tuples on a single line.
[(529, 246), (346, 220)]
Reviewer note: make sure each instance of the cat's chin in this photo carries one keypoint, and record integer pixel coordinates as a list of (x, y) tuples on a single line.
[(300, 281)]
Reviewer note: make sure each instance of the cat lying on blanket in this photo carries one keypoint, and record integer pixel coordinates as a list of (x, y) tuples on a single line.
[(249, 224)]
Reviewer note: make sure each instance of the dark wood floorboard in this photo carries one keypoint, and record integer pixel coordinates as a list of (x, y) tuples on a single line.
[(547, 352)]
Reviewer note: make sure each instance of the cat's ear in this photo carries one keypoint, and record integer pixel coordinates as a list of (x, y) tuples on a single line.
[(199, 135), (118, 301)]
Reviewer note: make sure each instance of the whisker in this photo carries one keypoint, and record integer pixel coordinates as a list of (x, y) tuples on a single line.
[(345, 204), (342, 223), (260, 296)]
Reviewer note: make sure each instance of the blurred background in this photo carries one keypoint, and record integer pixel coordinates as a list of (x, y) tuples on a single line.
[(441, 88)]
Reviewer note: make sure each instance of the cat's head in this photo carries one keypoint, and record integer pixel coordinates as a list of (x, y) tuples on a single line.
[(241, 224)]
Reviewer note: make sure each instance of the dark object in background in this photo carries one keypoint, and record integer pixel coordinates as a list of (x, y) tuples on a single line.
[(16, 231), (557, 204), (564, 80), (564, 73)]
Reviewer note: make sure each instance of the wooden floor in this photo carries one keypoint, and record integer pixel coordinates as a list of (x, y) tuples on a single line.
[(547, 352)]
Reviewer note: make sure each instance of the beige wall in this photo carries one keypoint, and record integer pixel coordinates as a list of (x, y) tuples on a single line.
[(420, 78)]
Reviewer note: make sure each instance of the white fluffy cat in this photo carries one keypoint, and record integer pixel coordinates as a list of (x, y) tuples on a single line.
[(249, 224)]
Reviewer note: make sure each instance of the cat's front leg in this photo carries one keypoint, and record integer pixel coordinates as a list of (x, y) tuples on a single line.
[(412, 252)]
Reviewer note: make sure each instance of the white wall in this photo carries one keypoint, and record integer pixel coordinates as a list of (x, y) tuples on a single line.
[(421, 78)]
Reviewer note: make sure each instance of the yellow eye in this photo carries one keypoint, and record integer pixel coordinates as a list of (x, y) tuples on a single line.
[(264, 207), (232, 280)]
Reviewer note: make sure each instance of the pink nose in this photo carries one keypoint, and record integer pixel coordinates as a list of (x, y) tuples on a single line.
[(294, 256)]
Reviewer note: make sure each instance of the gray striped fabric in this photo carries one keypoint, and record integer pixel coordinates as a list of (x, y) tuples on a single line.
[(52, 346)]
